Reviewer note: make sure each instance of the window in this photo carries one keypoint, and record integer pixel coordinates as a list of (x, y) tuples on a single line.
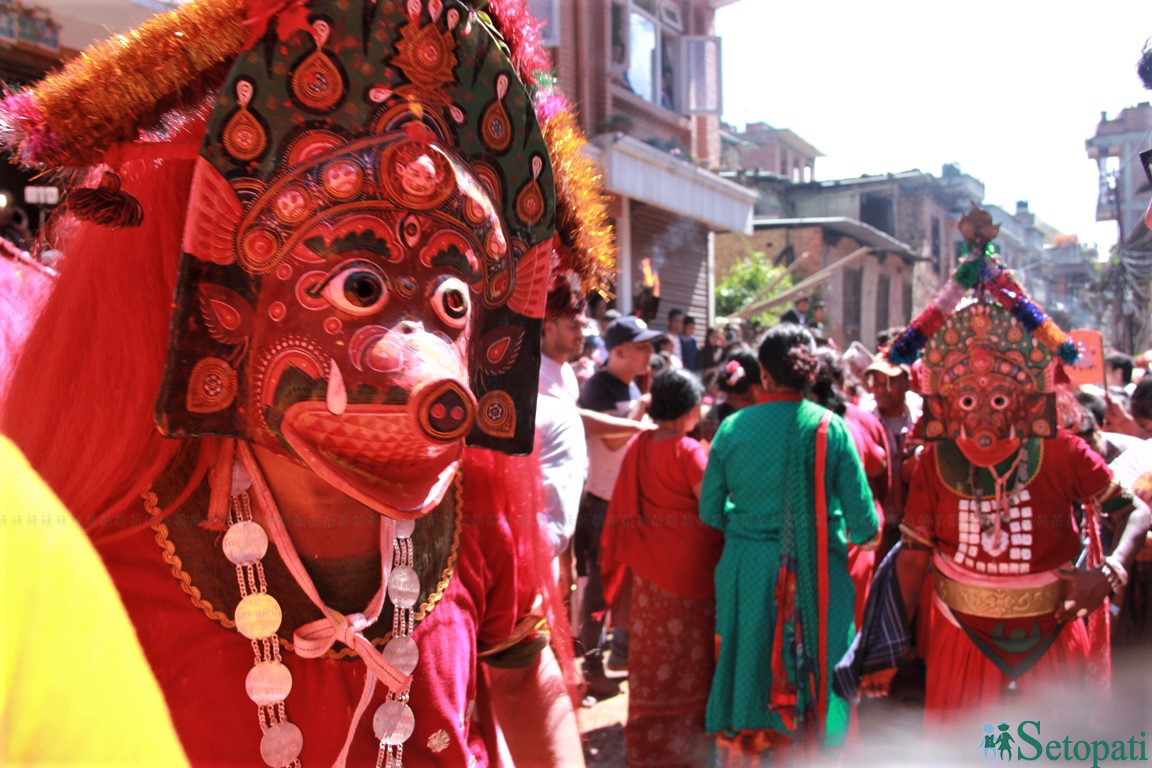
[(654, 59), (644, 56), (906, 313), (649, 31), (548, 13), (700, 80), (853, 288), (883, 298), (876, 211), (936, 252)]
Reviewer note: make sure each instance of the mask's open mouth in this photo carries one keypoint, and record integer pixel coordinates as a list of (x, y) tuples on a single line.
[(377, 454), (985, 448)]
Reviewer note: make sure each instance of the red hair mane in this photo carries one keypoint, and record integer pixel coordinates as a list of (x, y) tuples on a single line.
[(81, 398)]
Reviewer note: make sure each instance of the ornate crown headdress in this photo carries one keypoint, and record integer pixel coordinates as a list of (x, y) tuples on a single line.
[(127, 98), (984, 276), (999, 332)]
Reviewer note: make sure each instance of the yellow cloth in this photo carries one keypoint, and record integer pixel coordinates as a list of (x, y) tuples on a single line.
[(75, 688)]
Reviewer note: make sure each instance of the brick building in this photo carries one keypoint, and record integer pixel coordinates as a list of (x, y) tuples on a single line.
[(1124, 191), (862, 274), (645, 78), (777, 151), (908, 220), (1116, 148)]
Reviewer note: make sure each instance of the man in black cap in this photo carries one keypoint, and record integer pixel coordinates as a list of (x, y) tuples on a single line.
[(611, 390)]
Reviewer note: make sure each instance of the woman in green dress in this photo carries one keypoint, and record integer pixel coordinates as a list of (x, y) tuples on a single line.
[(784, 596)]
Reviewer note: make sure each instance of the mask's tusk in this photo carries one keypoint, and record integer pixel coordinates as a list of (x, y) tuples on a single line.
[(337, 397)]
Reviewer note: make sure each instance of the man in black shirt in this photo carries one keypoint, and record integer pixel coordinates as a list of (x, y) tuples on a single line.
[(797, 314), (611, 390)]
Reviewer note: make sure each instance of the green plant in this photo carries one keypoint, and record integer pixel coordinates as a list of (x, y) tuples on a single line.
[(752, 278)]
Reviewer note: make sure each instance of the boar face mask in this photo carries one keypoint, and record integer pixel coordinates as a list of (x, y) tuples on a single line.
[(366, 259)]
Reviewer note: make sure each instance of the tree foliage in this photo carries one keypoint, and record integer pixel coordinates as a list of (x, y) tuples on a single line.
[(749, 280)]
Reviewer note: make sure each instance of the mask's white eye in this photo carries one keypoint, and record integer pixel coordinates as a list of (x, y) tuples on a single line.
[(999, 402), (358, 289), (450, 302), (968, 402)]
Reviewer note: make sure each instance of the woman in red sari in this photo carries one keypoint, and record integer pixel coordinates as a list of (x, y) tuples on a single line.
[(654, 536)]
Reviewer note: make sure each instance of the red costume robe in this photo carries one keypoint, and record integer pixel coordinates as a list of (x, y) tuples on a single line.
[(1041, 535)]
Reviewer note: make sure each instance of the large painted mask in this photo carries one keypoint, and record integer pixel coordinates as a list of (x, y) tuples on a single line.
[(367, 252), (987, 384)]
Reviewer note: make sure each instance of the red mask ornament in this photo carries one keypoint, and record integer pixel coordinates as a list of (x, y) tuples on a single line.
[(987, 385), (366, 257)]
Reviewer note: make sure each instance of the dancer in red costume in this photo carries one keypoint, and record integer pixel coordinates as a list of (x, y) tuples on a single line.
[(358, 207), (991, 503)]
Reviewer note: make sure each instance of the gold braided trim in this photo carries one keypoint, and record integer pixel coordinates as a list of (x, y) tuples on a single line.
[(873, 543), (528, 626), (168, 552), (998, 602)]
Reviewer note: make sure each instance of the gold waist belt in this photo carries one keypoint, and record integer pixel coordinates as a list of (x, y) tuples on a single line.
[(998, 602)]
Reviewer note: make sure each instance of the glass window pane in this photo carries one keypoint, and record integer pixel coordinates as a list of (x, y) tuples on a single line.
[(547, 12), (642, 59), (701, 66), (669, 50)]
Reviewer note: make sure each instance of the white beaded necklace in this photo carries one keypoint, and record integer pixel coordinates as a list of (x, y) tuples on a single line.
[(258, 617)]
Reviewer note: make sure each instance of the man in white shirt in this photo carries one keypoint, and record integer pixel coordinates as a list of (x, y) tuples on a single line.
[(560, 440)]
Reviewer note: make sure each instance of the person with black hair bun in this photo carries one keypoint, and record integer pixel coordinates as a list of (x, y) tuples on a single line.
[(653, 535), (739, 380), (786, 488)]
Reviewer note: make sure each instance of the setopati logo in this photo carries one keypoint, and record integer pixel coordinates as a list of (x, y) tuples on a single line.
[(1024, 743)]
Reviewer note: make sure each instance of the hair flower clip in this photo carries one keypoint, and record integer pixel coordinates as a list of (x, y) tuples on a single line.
[(735, 372)]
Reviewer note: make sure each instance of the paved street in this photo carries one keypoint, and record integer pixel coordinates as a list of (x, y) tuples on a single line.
[(602, 728), (602, 725)]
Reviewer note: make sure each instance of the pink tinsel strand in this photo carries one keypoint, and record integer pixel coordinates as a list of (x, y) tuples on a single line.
[(22, 125), (550, 103), (24, 287), (522, 33)]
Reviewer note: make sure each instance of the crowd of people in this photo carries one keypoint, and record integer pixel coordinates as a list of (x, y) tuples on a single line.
[(322, 445), (735, 512)]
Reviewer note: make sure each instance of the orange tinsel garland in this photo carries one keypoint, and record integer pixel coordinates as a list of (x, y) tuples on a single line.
[(125, 84), (582, 216), (105, 97)]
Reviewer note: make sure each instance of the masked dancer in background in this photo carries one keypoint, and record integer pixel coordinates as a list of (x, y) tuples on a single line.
[(991, 507)]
